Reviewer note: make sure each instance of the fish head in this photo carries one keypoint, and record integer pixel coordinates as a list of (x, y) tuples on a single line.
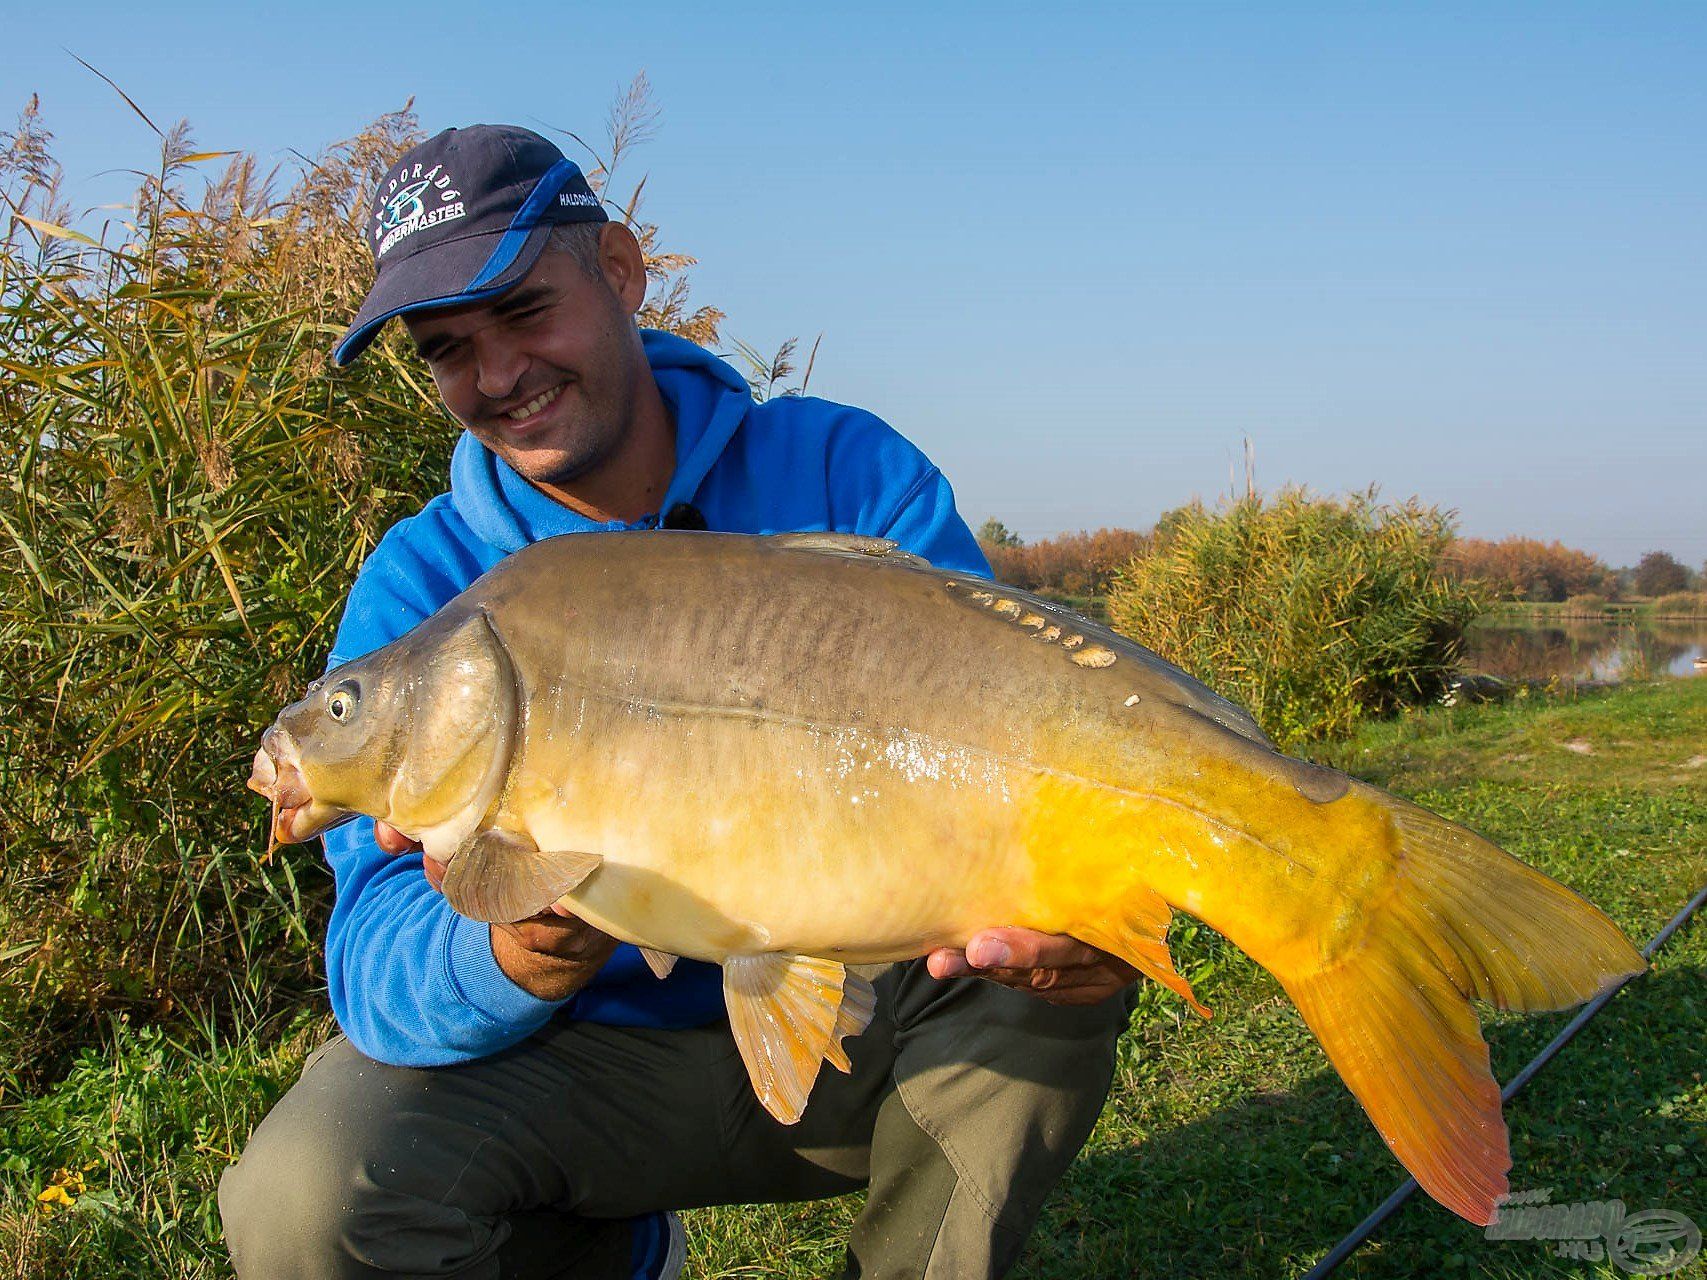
[(418, 734)]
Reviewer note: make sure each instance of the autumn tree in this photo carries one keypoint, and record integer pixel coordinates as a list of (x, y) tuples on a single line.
[(1660, 573), (1528, 569)]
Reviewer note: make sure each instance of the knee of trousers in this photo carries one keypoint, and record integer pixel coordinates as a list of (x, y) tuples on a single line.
[(307, 1198)]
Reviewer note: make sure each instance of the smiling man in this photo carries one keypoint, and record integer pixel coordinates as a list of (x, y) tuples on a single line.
[(528, 1099)]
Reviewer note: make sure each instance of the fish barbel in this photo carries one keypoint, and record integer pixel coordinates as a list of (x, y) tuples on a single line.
[(789, 754)]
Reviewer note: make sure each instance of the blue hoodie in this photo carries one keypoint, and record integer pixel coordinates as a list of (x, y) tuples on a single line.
[(412, 982)]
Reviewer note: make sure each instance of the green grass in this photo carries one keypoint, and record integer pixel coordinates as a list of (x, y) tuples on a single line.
[(1227, 1149)]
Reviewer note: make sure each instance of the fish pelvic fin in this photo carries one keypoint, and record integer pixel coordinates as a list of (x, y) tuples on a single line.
[(789, 1013), (660, 962), (1465, 921), (501, 876), (1141, 939)]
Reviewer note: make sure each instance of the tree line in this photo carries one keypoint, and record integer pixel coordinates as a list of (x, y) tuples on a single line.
[(1082, 566)]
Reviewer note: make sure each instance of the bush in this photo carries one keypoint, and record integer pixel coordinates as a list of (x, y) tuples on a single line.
[(1311, 612), (1588, 606)]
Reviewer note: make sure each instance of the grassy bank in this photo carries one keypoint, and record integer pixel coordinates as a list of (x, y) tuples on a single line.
[(1682, 606), (1227, 1149)]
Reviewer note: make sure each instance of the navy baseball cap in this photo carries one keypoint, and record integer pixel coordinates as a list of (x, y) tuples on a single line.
[(462, 217)]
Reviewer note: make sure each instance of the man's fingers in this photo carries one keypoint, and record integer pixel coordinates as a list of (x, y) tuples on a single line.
[(390, 839), (1027, 949), (946, 962)]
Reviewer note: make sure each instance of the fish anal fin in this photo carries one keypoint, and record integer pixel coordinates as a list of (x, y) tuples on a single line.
[(1141, 939), (660, 962), (501, 876), (856, 545), (789, 1013)]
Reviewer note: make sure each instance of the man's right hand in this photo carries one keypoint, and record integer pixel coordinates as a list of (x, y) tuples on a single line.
[(550, 956)]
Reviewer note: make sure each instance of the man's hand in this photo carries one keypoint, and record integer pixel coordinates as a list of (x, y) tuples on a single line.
[(550, 956), (1052, 966)]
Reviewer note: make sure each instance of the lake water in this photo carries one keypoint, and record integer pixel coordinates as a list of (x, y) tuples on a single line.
[(1580, 649)]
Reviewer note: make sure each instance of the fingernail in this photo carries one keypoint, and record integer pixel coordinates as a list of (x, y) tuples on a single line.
[(989, 955)]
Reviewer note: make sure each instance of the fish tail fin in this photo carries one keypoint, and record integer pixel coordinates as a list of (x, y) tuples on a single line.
[(1465, 921)]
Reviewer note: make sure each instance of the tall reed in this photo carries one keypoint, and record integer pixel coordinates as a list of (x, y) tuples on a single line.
[(188, 490), (1312, 612)]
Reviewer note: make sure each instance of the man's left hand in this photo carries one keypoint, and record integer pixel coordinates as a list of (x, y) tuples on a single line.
[(1052, 966)]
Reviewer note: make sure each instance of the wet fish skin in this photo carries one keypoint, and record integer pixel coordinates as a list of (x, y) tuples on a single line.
[(793, 753)]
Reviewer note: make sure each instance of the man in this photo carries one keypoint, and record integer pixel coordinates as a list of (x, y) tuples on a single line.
[(527, 1099)]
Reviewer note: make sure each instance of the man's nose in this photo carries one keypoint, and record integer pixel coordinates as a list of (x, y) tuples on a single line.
[(498, 366)]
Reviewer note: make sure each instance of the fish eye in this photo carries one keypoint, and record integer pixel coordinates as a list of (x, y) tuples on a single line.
[(342, 704)]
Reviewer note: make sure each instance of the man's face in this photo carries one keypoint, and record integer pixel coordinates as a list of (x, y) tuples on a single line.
[(544, 375)]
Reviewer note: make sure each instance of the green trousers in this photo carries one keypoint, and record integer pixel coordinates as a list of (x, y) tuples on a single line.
[(966, 1103)]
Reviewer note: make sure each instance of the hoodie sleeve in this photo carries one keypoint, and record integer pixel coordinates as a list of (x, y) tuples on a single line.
[(881, 484), (412, 983)]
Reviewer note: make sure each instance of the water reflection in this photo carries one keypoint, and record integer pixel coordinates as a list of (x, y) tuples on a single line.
[(1585, 650)]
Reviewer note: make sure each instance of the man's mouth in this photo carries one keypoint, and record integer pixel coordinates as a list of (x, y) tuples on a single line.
[(533, 408)]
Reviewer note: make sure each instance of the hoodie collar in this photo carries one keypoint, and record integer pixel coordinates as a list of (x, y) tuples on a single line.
[(707, 401)]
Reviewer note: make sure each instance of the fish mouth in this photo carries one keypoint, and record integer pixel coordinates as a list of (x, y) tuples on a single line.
[(277, 774)]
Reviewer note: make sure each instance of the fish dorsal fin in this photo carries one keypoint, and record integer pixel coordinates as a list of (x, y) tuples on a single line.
[(1141, 939), (790, 1013), (660, 962), (502, 876), (856, 545)]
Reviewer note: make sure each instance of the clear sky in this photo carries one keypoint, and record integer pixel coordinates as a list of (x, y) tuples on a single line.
[(1079, 252)]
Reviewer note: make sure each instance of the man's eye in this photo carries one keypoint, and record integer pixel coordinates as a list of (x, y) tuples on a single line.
[(529, 314)]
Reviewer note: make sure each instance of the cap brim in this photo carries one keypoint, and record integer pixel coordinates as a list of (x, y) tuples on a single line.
[(442, 276)]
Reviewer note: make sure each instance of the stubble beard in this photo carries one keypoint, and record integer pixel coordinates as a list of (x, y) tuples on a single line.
[(604, 422)]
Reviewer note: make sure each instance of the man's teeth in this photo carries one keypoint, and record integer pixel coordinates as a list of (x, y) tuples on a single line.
[(535, 405)]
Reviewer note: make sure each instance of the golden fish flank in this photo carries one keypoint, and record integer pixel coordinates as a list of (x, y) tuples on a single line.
[(789, 754)]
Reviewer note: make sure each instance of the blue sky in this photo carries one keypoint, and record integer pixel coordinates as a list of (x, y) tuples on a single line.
[(1078, 253)]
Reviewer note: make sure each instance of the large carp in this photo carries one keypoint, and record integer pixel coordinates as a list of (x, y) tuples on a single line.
[(793, 753)]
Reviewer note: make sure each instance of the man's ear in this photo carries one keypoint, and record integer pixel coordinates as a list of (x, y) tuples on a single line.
[(623, 264)]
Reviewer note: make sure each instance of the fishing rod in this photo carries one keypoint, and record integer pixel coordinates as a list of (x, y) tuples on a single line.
[(1388, 1207)]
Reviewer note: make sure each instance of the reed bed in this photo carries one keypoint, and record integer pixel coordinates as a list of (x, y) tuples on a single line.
[(189, 488), (1311, 612)]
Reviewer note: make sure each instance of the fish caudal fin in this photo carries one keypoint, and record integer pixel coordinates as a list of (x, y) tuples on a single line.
[(788, 1014), (1394, 1014)]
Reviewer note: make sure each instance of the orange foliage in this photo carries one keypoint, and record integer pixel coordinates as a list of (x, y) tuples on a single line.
[(1529, 569), (1070, 564)]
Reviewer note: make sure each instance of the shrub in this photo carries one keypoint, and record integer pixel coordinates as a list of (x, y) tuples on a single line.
[(1587, 606), (1311, 612)]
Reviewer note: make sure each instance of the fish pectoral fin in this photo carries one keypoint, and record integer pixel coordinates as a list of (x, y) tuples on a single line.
[(660, 962), (503, 876), (1141, 939), (789, 1013), (856, 545)]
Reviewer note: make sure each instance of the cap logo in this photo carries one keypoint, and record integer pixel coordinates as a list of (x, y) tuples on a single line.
[(412, 200), (583, 198)]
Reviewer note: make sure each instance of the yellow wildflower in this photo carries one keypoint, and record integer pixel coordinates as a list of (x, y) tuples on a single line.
[(62, 1190)]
